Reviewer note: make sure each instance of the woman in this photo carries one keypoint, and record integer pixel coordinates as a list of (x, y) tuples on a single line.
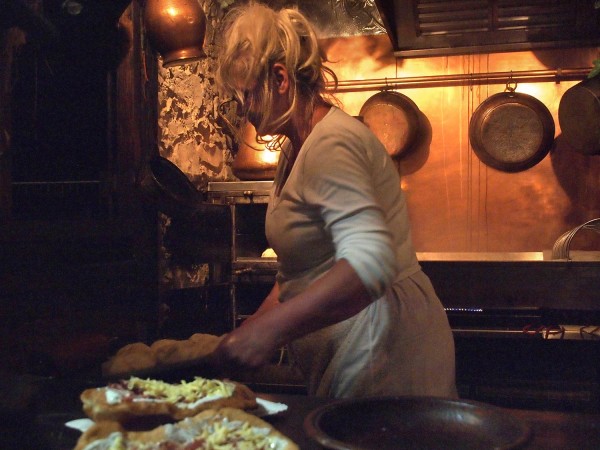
[(350, 300)]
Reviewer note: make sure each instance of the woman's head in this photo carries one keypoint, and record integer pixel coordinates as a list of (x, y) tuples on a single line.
[(254, 38)]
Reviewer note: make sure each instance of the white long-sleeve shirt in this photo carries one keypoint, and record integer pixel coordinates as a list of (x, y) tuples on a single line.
[(342, 199)]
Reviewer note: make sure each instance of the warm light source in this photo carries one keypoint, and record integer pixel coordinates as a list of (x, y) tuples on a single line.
[(256, 158), (176, 29)]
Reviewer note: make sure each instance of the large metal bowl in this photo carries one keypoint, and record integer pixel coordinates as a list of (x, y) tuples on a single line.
[(414, 423)]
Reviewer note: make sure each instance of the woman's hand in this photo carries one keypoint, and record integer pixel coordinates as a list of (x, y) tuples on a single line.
[(246, 347), (249, 346), (334, 297)]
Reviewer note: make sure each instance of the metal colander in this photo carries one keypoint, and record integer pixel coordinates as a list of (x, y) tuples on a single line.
[(560, 250)]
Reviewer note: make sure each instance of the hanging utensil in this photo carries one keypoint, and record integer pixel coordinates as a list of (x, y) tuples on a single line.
[(176, 29), (579, 116), (394, 119), (511, 131)]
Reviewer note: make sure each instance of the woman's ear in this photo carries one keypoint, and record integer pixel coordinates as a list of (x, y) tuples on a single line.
[(281, 77)]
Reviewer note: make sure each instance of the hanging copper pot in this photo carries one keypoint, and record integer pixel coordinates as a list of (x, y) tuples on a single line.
[(176, 29), (394, 119), (579, 116), (255, 160), (511, 131)]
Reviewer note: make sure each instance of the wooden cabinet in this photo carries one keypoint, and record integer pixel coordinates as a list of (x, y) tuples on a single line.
[(78, 240)]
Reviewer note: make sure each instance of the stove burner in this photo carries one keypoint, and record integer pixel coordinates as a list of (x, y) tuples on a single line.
[(556, 331), (522, 322)]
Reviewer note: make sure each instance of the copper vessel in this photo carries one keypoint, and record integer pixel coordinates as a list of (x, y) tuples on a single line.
[(394, 119), (176, 29), (255, 160), (579, 116), (511, 131)]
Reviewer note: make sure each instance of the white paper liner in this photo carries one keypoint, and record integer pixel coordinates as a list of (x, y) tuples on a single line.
[(80, 424), (267, 408)]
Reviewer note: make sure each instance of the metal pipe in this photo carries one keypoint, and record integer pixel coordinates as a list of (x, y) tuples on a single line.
[(461, 79)]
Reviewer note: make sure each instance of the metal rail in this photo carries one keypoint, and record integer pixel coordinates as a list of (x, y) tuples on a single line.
[(461, 79)]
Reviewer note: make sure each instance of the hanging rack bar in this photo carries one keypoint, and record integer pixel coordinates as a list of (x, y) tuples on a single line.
[(462, 79)]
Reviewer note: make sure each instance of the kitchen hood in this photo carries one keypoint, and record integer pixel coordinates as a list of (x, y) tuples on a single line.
[(430, 28)]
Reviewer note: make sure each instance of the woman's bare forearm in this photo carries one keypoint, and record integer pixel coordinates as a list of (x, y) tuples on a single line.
[(336, 296)]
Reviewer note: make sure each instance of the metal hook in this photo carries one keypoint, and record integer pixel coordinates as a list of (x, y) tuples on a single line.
[(511, 84), (387, 87)]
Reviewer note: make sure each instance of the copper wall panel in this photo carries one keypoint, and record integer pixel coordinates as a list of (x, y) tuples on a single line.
[(457, 203)]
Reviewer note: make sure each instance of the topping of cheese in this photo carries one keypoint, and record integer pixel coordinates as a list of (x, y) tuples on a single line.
[(211, 434), (182, 392), (188, 394)]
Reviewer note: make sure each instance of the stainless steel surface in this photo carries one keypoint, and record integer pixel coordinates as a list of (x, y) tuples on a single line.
[(481, 256), (239, 188), (521, 322), (415, 423), (562, 246), (247, 272), (559, 332)]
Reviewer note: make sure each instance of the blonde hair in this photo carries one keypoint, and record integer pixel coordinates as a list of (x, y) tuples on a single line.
[(254, 37)]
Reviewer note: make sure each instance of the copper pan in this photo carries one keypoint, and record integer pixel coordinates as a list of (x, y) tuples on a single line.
[(511, 131), (394, 118), (579, 116)]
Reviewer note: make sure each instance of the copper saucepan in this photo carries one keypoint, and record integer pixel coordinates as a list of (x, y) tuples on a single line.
[(394, 119), (579, 116), (511, 131)]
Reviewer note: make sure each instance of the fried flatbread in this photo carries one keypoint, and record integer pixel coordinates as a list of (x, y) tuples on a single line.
[(136, 398), (167, 351), (131, 358), (209, 429), (138, 358)]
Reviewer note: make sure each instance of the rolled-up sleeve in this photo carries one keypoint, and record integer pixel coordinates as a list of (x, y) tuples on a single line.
[(337, 177)]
